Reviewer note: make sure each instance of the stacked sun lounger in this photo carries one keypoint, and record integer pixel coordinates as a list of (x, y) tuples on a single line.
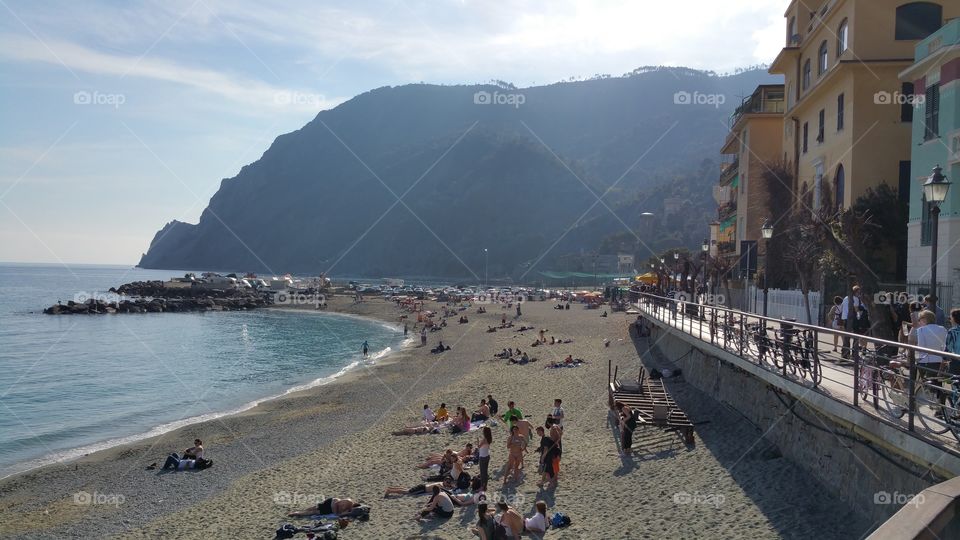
[(653, 403)]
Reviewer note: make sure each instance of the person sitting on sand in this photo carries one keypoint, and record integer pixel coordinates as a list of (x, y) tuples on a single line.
[(178, 463), (494, 406), (329, 507), (510, 519), (482, 413), (428, 415), (491, 329), (485, 527), (461, 424), (538, 523), (442, 415), (195, 451), (439, 505)]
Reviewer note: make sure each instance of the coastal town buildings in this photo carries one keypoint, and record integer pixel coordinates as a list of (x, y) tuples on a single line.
[(754, 141), (935, 78)]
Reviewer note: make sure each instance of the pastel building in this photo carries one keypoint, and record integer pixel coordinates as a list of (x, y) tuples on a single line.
[(848, 116), (935, 78), (753, 142)]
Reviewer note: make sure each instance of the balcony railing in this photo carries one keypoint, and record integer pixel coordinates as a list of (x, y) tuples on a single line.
[(764, 102), (729, 170)]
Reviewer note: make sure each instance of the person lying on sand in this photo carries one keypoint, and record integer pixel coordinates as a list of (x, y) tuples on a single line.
[(418, 489), (428, 427), (437, 457), (177, 463), (330, 506)]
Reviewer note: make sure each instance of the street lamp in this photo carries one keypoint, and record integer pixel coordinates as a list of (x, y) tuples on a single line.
[(935, 191), (767, 231), (486, 268), (676, 269)]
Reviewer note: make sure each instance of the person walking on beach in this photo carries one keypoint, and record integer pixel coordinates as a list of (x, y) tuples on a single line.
[(423, 336), (406, 328), (365, 347)]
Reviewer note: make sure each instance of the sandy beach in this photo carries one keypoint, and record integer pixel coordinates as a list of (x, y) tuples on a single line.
[(335, 441)]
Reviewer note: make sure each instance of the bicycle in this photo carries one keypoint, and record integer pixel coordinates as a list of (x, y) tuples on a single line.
[(891, 386)]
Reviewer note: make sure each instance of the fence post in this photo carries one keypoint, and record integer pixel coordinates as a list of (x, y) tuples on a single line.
[(815, 359), (741, 336), (856, 376), (912, 405)]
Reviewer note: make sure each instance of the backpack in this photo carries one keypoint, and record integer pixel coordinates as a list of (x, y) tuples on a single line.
[(559, 520)]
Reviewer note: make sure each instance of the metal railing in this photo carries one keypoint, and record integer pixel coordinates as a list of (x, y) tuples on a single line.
[(867, 372)]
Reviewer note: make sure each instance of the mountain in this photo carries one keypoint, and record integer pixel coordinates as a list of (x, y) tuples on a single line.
[(419, 179)]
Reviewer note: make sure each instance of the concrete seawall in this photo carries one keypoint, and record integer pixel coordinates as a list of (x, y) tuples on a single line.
[(874, 467)]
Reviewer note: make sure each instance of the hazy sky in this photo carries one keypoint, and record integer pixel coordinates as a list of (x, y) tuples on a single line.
[(118, 117)]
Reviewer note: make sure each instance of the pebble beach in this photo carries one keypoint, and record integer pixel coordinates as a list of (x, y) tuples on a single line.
[(335, 441)]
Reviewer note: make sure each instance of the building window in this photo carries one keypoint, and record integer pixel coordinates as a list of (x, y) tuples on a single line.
[(822, 120), (839, 186), (840, 112), (932, 114), (925, 224), (917, 20), (817, 186), (906, 108), (824, 57), (806, 74), (843, 38), (792, 37), (806, 132)]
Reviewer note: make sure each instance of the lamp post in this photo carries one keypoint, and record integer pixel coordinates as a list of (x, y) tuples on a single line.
[(767, 231), (486, 268), (706, 256), (935, 190)]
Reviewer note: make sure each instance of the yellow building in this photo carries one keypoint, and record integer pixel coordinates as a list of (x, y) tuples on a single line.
[(847, 120), (754, 141)]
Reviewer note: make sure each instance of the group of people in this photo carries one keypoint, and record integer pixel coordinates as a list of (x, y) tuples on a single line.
[(192, 458), (450, 484)]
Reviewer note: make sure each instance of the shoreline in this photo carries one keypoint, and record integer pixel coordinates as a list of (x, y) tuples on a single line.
[(70, 455), (88, 467), (336, 440)]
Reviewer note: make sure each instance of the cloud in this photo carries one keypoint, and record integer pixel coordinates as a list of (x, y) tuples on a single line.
[(239, 89)]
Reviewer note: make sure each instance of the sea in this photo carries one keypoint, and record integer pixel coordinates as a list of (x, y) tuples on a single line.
[(75, 384)]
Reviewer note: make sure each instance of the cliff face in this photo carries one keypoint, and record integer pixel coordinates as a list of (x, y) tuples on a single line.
[(418, 179)]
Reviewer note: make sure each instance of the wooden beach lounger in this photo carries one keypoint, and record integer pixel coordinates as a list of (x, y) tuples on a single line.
[(653, 403)]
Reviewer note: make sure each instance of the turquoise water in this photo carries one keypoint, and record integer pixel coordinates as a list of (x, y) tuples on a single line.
[(72, 384)]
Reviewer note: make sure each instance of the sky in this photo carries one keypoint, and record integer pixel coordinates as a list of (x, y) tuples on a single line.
[(118, 117)]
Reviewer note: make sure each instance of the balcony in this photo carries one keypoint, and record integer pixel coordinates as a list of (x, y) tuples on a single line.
[(727, 210), (729, 170), (765, 100)]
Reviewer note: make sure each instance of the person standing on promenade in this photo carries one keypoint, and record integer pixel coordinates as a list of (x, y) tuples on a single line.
[(848, 315), (930, 304)]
